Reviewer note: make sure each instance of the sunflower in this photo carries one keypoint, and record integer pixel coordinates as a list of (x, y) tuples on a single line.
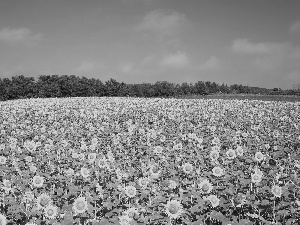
[(85, 172), (3, 160), (214, 200), (214, 155), (239, 150), (205, 186), (259, 156), (69, 172), (124, 220), (172, 184), (217, 171), (3, 220), (277, 191), (92, 147), (30, 146), (43, 200), (130, 191), (75, 155), (131, 212), (231, 154), (187, 168), (216, 140), (80, 205), (28, 159), (33, 168), (154, 171), (37, 181), (143, 182), (256, 177), (110, 156), (6, 184), (102, 162), (50, 211), (94, 141), (174, 209), (92, 157)]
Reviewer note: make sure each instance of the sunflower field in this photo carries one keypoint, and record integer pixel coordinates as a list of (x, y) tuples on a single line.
[(105, 161)]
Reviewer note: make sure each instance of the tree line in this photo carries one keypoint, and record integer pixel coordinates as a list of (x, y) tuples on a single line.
[(49, 86)]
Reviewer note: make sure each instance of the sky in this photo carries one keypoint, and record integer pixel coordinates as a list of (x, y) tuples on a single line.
[(248, 42)]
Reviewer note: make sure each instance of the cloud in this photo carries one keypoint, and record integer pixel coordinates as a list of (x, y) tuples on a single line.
[(87, 66), (213, 63), (147, 60), (268, 55), (295, 27), (244, 46), (162, 23), (177, 60), (286, 58), (20, 35), (127, 67)]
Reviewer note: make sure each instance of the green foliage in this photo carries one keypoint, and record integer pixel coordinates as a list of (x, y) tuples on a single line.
[(55, 86)]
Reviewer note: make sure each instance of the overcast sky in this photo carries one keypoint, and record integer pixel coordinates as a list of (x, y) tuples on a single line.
[(249, 42)]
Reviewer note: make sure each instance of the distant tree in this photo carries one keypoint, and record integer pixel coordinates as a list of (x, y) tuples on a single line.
[(200, 88), (73, 86), (224, 89), (185, 89), (164, 89), (22, 87), (48, 86), (112, 87)]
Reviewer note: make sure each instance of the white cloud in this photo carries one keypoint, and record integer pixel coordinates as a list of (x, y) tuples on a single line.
[(295, 27), (177, 60), (269, 56), (147, 60), (23, 35), (212, 63), (162, 23), (246, 47), (87, 66), (127, 67)]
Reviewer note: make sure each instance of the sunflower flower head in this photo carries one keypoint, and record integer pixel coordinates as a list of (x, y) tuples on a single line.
[(124, 220), (80, 205), (130, 191), (131, 212), (50, 211), (43, 200), (37, 181), (173, 209), (214, 155), (277, 191), (259, 156), (205, 186), (85, 172), (256, 178), (214, 200), (187, 168), (231, 154), (217, 171), (3, 220)]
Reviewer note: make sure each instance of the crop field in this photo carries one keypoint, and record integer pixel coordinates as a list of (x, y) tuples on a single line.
[(281, 98), (106, 161)]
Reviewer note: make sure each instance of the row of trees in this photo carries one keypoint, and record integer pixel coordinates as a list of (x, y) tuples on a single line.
[(48, 86)]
